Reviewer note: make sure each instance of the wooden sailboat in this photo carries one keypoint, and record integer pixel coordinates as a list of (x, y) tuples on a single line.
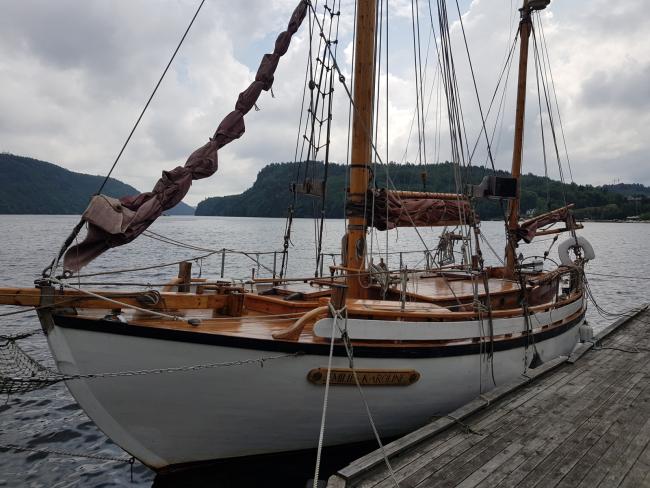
[(417, 351)]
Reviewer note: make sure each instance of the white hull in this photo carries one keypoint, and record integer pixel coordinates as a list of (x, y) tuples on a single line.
[(174, 418)]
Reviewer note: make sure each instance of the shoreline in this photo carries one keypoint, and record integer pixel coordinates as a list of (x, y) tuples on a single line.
[(610, 221)]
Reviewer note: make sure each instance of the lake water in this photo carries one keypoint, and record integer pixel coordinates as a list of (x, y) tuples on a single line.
[(49, 419)]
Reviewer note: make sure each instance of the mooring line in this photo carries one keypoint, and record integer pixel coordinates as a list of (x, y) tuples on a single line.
[(58, 452)]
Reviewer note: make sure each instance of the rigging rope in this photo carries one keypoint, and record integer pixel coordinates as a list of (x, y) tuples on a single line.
[(153, 93), (320, 82), (79, 225), (20, 373), (122, 304), (330, 99), (418, 75), (337, 314), (378, 48), (144, 268), (557, 105), (170, 241), (364, 127), (60, 452), (541, 126), (212, 252), (321, 434), (549, 111), (478, 98), (608, 275)]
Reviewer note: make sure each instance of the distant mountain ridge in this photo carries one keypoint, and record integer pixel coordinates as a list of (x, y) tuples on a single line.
[(628, 189), (31, 186), (269, 195)]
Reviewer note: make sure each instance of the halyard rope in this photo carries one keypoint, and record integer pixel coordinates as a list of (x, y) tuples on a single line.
[(348, 349)]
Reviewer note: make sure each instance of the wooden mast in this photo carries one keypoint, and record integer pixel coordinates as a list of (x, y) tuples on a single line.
[(525, 28), (362, 124)]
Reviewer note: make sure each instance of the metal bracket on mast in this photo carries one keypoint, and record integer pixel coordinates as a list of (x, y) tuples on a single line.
[(312, 187), (494, 187), (536, 4)]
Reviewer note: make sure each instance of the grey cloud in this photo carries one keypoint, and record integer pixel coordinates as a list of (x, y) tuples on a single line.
[(627, 85), (609, 19), (75, 75), (635, 168), (63, 34)]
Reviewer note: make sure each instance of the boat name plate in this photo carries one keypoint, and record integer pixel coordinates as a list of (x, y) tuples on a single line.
[(366, 377)]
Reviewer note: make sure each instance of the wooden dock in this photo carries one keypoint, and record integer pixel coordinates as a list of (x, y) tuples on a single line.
[(579, 421)]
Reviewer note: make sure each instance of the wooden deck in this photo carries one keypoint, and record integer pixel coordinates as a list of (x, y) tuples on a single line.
[(451, 289), (582, 421)]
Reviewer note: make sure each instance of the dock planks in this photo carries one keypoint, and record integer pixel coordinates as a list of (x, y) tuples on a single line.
[(582, 421)]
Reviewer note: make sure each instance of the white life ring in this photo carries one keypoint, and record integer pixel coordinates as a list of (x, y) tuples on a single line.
[(587, 250)]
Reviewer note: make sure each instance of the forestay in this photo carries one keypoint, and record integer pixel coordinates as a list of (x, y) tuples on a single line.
[(113, 222)]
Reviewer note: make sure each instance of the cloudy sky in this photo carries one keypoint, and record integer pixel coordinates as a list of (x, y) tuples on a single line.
[(74, 75)]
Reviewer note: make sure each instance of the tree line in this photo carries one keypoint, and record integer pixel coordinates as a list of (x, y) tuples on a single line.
[(270, 194)]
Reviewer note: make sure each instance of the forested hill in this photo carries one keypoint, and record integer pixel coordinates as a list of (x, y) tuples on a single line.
[(270, 195), (627, 189), (30, 186)]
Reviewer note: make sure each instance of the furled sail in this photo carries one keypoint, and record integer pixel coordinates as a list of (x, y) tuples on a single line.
[(113, 222), (413, 209), (528, 228)]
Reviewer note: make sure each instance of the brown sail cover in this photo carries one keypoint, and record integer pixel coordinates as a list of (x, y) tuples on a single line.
[(398, 209), (114, 222), (528, 228)]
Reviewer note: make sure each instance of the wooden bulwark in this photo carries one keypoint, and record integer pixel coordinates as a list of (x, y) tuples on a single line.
[(577, 421), (228, 300)]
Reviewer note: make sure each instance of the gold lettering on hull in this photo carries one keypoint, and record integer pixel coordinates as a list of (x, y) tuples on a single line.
[(366, 377)]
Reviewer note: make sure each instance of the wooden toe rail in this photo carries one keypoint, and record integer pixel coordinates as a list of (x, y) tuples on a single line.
[(31, 297)]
